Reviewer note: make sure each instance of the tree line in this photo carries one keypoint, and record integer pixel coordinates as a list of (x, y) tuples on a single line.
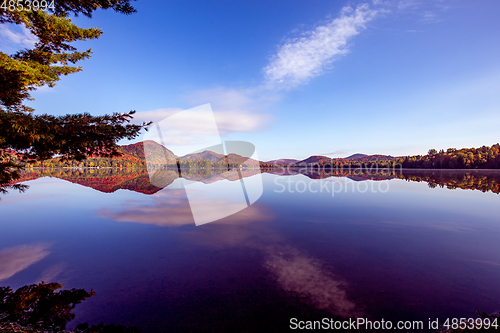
[(465, 158)]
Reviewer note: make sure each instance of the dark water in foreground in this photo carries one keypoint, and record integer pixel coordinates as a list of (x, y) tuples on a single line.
[(374, 247)]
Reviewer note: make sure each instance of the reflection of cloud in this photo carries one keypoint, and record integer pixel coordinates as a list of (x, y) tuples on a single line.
[(168, 208), (171, 208), (306, 277), (25, 197), (51, 273), (18, 258), (434, 224), (493, 263)]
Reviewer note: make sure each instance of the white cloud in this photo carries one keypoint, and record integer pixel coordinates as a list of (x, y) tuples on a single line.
[(191, 122), (409, 4), (18, 258), (234, 111), (302, 58), (23, 37), (337, 152)]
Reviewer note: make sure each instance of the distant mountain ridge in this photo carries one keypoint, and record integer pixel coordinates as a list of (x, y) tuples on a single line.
[(319, 159), (355, 156), (142, 153)]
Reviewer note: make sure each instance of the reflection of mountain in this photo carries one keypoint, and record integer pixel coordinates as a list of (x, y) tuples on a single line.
[(110, 180), (216, 175), (283, 161), (106, 180)]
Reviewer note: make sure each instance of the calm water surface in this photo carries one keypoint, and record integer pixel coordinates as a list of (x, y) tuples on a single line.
[(384, 248)]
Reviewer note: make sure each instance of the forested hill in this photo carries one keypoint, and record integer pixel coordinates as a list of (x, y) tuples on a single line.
[(465, 158)]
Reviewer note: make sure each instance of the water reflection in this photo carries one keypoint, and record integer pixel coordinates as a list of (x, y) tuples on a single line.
[(171, 208), (413, 253), (109, 180), (306, 277), (18, 258), (296, 272)]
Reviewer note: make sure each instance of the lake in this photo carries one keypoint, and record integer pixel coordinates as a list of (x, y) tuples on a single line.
[(407, 245)]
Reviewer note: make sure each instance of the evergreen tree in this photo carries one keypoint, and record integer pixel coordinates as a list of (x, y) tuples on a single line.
[(30, 137)]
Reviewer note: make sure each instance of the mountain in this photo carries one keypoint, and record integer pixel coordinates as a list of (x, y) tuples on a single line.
[(370, 158), (317, 159), (205, 155), (157, 154), (355, 156), (240, 160), (214, 158), (283, 161)]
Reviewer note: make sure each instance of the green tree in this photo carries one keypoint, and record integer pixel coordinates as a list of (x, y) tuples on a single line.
[(30, 137)]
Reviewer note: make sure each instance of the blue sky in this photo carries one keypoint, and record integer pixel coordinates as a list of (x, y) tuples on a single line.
[(298, 78)]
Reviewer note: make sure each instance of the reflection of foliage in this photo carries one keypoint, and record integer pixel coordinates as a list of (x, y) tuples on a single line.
[(40, 306), (489, 182), (482, 180), (106, 180), (163, 178)]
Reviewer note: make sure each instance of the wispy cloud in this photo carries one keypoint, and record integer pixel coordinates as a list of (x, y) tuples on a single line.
[(23, 37), (191, 126), (239, 110), (430, 17), (234, 111), (336, 152), (426, 11), (300, 59)]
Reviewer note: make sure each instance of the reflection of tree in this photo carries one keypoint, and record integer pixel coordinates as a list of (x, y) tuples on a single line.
[(482, 180), (106, 180), (109, 180), (43, 307)]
